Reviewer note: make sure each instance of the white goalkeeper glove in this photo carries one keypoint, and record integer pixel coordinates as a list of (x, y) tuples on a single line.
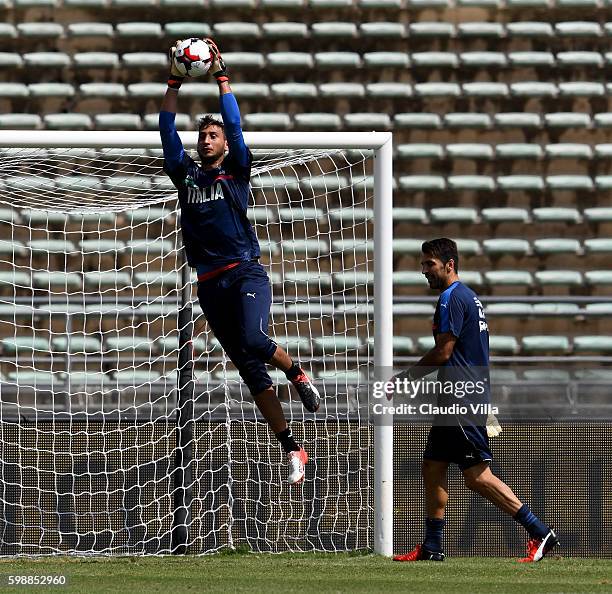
[(175, 78), (493, 426)]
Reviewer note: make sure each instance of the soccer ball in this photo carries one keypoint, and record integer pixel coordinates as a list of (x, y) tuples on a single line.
[(192, 57)]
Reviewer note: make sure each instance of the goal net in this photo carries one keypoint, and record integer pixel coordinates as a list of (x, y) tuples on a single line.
[(118, 435)]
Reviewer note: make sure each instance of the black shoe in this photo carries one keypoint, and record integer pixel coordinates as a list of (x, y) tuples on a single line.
[(308, 394)]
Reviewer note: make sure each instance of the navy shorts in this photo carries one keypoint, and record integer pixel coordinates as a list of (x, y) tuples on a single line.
[(465, 445), (237, 307)]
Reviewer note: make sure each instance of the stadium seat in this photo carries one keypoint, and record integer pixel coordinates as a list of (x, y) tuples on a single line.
[(420, 151), (138, 29), (316, 4), (154, 248), (403, 245), (10, 60), (183, 29), (414, 309), (531, 59), (150, 90), (290, 60), (117, 121), (285, 30), (324, 183), (409, 214), (417, 120), (513, 310), (520, 182), (337, 60), (371, 121), (386, 59), (51, 90), (469, 151), (480, 29), (417, 183), (431, 29), (556, 246), (308, 277), (603, 182), (603, 151), (96, 60), (598, 214), (391, 90), (470, 182), (580, 59), (267, 121), (559, 277), (312, 248), (508, 278), (90, 30), (345, 89), (434, 59), (67, 121), (425, 343), (556, 214), (47, 30), (8, 31), (103, 90), (7, 247), (76, 343), (598, 246), (148, 60), (603, 120), (46, 60), (299, 213), (437, 89), (547, 376), (294, 90), (530, 28), (598, 344), (336, 30), (578, 29), (382, 29), (14, 90), (569, 182), (453, 215), (168, 278), (517, 120), (45, 217), (12, 121), (496, 247), (519, 151), (79, 183), (251, 60), (534, 89), (499, 343), (546, 343), (598, 277), (46, 278), (582, 89), (567, 120), (24, 345), (485, 89), (102, 246), (556, 309), (467, 120), (483, 59), (311, 309)]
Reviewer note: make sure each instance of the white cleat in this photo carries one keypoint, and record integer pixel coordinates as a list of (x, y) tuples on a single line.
[(297, 463)]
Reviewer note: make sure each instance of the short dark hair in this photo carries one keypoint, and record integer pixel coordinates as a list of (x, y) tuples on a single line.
[(442, 248), (209, 120)]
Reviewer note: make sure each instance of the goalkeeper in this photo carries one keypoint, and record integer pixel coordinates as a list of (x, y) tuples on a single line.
[(462, 351), (233, 287)]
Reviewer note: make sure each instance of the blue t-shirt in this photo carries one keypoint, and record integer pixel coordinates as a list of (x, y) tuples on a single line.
[(459, 312), (214, 223)]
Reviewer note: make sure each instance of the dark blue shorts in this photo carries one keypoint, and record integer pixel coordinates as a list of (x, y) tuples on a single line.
[(237, 307), (465, 446)]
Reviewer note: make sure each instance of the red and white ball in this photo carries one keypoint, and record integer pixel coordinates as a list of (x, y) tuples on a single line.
[(192, 57)]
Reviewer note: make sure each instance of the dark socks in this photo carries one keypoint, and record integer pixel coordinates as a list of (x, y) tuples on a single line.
[(433, 534), (287, 442), (293, 372), (535, 527)]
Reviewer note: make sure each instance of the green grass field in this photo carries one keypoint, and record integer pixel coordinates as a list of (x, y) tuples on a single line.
[(317, 573)]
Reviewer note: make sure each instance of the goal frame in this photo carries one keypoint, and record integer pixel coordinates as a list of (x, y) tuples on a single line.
[(381, 144)]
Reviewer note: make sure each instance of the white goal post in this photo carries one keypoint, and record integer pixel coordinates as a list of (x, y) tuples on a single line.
[(375, 146)]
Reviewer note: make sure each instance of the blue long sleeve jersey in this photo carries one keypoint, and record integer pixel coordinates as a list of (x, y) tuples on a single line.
[(214, 223)]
